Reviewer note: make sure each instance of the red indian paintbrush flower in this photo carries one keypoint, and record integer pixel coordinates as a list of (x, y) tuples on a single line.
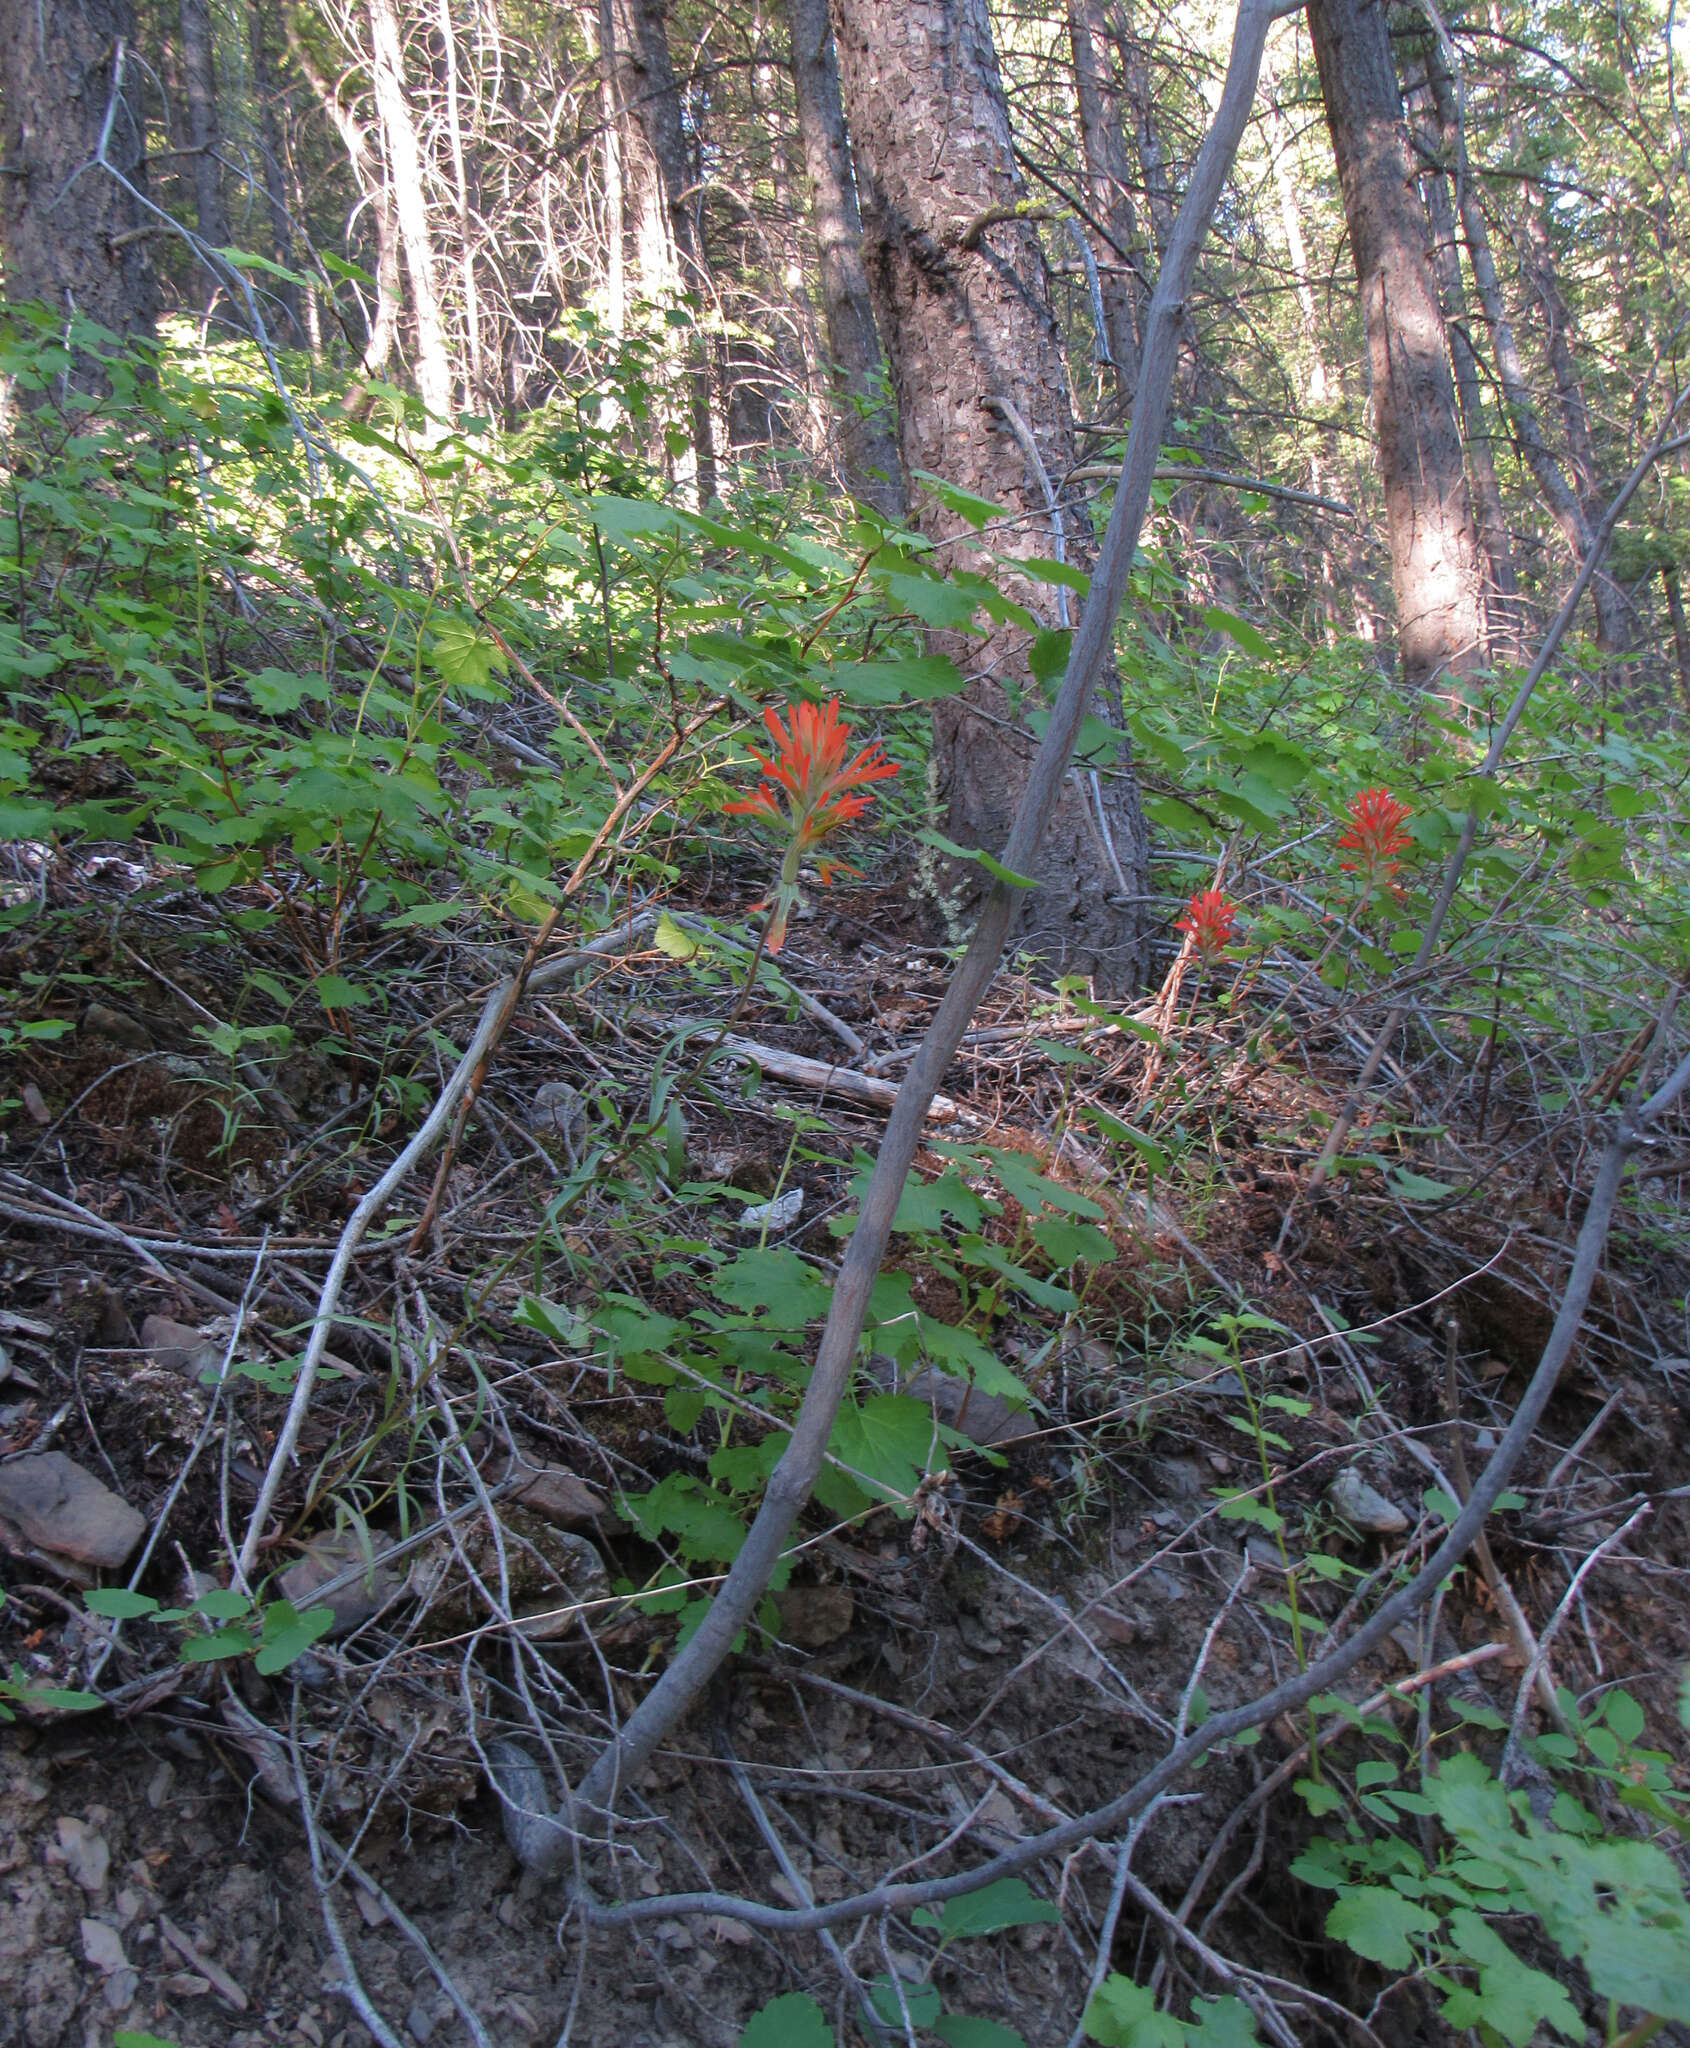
[(1208, 922), (807, 790), (1374, 838)]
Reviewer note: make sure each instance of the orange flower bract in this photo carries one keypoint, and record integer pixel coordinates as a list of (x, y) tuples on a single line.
[(1374, 839), (805, 786), (1209, 922)]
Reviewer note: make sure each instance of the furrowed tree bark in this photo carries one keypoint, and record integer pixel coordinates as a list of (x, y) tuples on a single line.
[(670, 233), (410, 205), (1108, 183), (1437, 571), (73, 237), (545, 1842), (867, 432), (199, 94), (963, 298)]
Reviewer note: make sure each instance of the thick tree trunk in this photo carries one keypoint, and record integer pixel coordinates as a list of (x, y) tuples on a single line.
[(867, 433), (460, 184), (199, 94), (1673, 583), (77, 242), (667, 188), (1436, 566), (960, 287), (410, 205), (1108, 185)]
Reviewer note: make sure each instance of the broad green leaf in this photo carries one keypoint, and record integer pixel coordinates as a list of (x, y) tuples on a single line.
[(776, 1280), (288, 1634), (1009, 1902), (464, 655), (989, 862), (884, 1441), (117, 1603), (965, 2030), (1238, 630), (920, 2001), (917, 679), (670, 939), (1378, 1923), (794, 2021)]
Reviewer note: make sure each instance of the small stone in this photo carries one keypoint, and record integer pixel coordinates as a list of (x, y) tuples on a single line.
[(101, 1022), (120, 1989), (1364, 1507), (811, 1617), (35, 1106), (54, 1506), (555, 1492), (325, 1557), (84, 1853), (775, 1216), (370, 1909), (419, 2024), (103, 1947)]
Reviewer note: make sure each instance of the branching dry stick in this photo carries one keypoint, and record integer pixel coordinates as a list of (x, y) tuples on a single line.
[(1294, 1692), (1663, 444), (494, 1015), (536, 1842)]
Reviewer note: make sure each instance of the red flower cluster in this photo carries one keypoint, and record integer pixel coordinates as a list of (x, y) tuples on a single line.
[(807, 793), (812, 774), (1209, 923), (1374, 838)]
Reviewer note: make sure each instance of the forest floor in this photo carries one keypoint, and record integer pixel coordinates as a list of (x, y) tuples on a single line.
[(940, 1685)]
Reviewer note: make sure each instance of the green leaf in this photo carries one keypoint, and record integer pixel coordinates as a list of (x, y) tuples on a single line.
[(1010, 1902), (1222, 2023), (464, 656), (1122, 2014), (920, 2001), (1246, 636), (223, 1603), (963, 2030), (1377, 1923), (116, 1603), (288, 1634), (220, 1643), (670, 939), (334, 992), (278, 691), (127, 2037), (1417, 1187), (795, 2021), (989, 862), (777, 1280), (917, 679), (884, 1441), (632, 518), (1623, 1715)]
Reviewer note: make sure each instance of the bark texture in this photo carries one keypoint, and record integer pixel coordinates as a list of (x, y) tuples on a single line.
[(199, 95), (669, 219), (410, 205), (74, 241), (1437, 570), (1108, 184), (963, 297), (868, 433)]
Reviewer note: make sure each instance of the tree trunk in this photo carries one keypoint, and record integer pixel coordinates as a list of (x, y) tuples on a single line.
[(1673, 583), (1108, 185), (648, 94), (1436, 566), (867, 433), (960, 286), (460, 184), (373, 190), (79, 246), (410, 205), (1434, 139), (1558, 493), (199, 94), (602, 26), (270, 153)]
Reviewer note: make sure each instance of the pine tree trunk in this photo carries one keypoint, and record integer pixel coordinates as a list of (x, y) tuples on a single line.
[(963, 299), (1108, 185), (78, 245), (270, 152), (867, 434), (1437, 569), (1433, 140), (410, 205), (651, 103), (199, 93)]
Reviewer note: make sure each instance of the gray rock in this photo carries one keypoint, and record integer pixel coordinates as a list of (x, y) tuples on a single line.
[(986, 1418), (558, 1116), (324, 1558), (1364, 1507), (53, 1506), (181, 1348)]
